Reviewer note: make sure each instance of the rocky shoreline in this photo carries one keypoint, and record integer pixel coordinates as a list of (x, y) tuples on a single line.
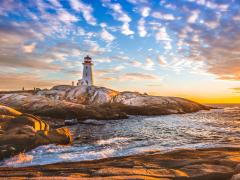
[(21, 132), (207, 164), (92, 102)]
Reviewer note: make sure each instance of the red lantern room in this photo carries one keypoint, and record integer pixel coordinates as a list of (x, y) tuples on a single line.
[(87, 60)]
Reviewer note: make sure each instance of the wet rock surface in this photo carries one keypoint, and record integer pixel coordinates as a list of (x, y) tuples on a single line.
[(23, 132), (207, 164)]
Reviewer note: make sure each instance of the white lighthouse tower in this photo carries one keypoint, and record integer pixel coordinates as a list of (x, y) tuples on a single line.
[(87, 77)]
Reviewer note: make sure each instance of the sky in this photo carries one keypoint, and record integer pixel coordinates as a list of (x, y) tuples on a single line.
[(185, 48)]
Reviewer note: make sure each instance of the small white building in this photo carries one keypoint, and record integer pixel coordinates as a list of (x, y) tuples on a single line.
[(87, 77)]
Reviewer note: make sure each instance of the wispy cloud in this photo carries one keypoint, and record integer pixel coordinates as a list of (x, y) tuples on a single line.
[(236, 89), (149, 65), (138, 76), (29, 48), (106, 36), (141, 28), (161, 60), (193, 16), (167, 17), (137, 1), (145, 11), (85, 9), (17, 81), (120, 15)]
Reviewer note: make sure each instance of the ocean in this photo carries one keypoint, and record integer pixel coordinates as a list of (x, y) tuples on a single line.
[(140, 134)]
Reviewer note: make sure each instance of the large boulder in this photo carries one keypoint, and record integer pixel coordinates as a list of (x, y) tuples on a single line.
[(25, 132), (27, 120), (4, 110), (80, 94)]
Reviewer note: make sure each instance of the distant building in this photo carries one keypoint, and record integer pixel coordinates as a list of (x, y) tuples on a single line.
[(87, 77)]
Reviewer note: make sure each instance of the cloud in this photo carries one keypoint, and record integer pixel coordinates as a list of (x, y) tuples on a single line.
[(161, 60), (193, 17), (220, 54), (118, 68), (215, 6), (30, 61), (15, 53), (103, 72), (236, 89), (170, 6), (15, 81), (149, 65), (58, 13), (212, 24), (29, 48), (145, 11), (92, 47), (86, 10), (162, 35), (66, 17), (119, 15), (167, 17), (55, 3), (126, 29), (13, 35), (103, 60), (106, 36), (137, 1), (108, 78), (236, 18), (9, 6), (211, 5), (138, 76), (136, 63), (141, 28), (120, 57)]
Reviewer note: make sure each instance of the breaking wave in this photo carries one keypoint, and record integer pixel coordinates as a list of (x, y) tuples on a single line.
[(115, 140)]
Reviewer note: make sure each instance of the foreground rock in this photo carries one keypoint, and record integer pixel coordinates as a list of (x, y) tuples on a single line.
[(83, 102), (207, 164), (22, 132)]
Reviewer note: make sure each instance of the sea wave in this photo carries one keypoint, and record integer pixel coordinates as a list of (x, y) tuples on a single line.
[(115, 140), (21, 158)]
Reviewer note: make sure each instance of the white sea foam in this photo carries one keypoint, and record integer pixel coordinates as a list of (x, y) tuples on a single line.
[(89, 155), (114, 140), (18, 159)]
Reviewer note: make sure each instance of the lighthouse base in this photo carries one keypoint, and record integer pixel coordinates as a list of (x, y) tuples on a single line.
[(82, 82)]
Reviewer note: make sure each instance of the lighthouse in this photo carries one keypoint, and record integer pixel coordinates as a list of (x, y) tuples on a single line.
[(87, 76)]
